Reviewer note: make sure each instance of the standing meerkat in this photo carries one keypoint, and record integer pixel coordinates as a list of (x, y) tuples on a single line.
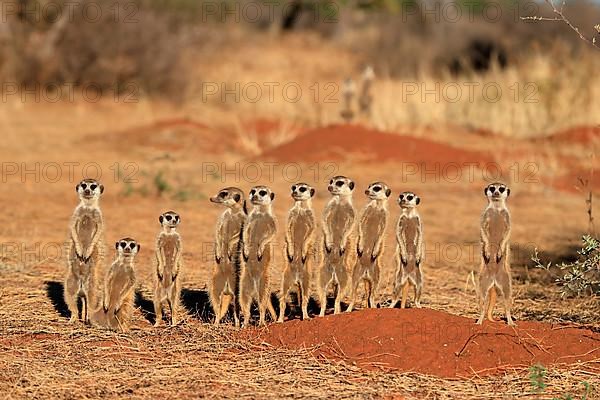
[(365, 99), (85, 250), (257, 255), (495, 253), (117, 301), (369, 248), (224, 285), (338, 223), (410, 250), (348, 90), (299, 239), (168, 264)]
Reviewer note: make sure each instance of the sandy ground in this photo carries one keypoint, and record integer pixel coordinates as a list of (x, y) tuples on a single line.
[(154, 147)]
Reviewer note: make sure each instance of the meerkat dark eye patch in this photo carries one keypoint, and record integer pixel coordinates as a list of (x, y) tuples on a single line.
[(223, 194), (377, 189), (123, 244), (237, 197), (302, 189), (401, 197), (252, 192), (293, 188), (83, 186), (262, 193), (501, 189), (409, 197), (492, 188), (331, 182), (168, 217), (132, 245), (339, 183), (93, 186)]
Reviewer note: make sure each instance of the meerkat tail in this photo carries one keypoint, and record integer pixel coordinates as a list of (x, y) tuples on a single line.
[(491, 304), (404, 294)]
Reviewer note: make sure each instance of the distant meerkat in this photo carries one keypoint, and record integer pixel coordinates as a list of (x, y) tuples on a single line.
[(338, 224), (348, 91), (495, 253), (369, 248), (117, 301), (257, 255), (85, 250), (410, 250), (224, 285), (168, 265), (365, 99), (299, 239)]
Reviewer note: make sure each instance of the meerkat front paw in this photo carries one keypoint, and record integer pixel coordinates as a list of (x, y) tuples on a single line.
[(499, 256)]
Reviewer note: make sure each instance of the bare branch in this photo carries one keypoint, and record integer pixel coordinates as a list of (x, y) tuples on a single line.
[(562, 18)]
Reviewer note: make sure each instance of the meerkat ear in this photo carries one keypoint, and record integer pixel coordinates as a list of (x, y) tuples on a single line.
[(418, 199), (117, 245), (507, 192), (77, 188), (388, 191), (139, 247), (272, 196), (237, 197), (101, 189), (485, 190), (160, 219), (312, 192), (351, 185)]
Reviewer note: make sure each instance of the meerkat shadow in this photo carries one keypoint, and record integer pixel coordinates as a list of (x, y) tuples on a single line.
[(314, 307), (146, 306), (55, 292), (197, 304)]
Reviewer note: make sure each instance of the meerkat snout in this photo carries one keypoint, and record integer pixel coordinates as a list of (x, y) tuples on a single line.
[(127, 247)]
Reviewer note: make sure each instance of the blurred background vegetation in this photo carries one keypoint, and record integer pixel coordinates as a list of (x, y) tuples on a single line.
[(170, 47)]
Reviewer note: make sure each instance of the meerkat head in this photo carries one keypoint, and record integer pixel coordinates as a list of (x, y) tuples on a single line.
[(378, 191), (408, 200), (340, 186), (302, 191), (127, 247), (89, 189), (349, 86), (170, 219), (229, 197), (497, 191), (261, 196)]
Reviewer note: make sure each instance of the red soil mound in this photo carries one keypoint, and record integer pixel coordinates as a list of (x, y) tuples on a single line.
[(337, 142), (433, 342)]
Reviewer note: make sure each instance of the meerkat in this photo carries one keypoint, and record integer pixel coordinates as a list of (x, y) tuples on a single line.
[(348, 90), (369, 248), (338, 224), (168, 265), (410, 250), (117, 301), (495, 253), (85, 250), (257, 255), (365, 99), (224, 285), (299, 239)]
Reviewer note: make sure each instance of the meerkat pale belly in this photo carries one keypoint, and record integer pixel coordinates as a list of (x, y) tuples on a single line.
[(169, 245)]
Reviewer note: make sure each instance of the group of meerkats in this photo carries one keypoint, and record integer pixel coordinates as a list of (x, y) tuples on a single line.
[(244, 254)]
